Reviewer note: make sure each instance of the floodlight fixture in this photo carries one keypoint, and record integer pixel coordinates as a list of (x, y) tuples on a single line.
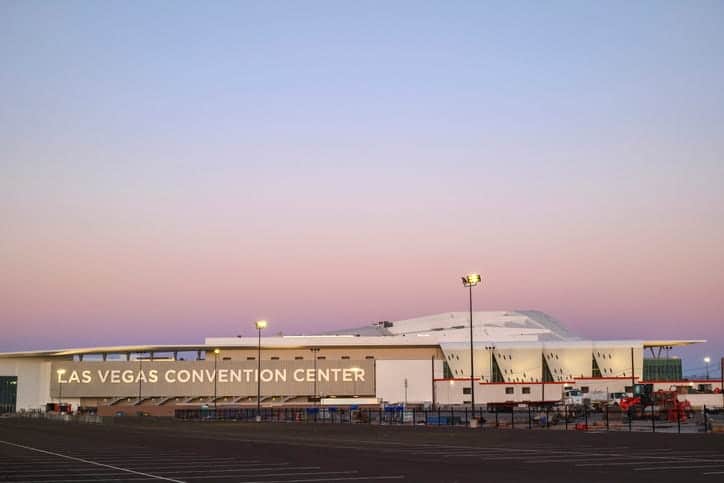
[(471, 279)]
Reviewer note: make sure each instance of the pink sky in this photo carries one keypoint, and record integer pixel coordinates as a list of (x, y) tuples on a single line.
[(329, 170)]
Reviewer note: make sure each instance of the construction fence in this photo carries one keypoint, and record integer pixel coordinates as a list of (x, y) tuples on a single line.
[(608, 418)]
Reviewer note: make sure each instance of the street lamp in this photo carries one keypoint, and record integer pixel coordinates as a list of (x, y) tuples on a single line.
[(140, 378), (314, 357), (217, 351), (707, 360), (260, 324), (60, 389), (355, 371), (470, 281), (405, 407)]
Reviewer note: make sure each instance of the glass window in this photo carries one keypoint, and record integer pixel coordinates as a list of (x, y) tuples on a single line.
[(509, 390), (8, 393), (526, 390)]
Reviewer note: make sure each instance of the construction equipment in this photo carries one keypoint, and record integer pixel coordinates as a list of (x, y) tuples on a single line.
[(662, 402), (675, 410), (628, 402)]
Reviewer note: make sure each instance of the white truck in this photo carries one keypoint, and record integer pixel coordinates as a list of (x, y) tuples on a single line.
[(573, 397)]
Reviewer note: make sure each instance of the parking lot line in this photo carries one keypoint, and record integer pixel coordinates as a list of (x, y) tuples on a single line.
[(23, 470), (141, 464), (642, 461), (166, 458), (190, 467), (312, 473), (186, 461), (81, 460), (89, 471), (249, 470), (351, 478), (90, 479), (686, 467), (189, 475), (607, 459), (75, 476)]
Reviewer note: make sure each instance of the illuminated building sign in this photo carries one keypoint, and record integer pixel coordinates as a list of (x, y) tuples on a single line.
[(190, 378)]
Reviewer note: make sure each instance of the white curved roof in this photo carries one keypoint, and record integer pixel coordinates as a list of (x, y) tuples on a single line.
[(524, 327), (494, 326)]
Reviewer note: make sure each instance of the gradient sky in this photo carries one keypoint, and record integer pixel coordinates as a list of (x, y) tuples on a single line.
[(173, 170)]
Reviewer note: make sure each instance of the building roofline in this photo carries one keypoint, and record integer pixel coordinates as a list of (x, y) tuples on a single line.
[(298, 342)]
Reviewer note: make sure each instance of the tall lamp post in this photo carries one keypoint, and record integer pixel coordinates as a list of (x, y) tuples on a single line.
[(405, 408), (470, 281), (707, 360), (315, 350), (260, 324), (217, 351), (60, 386), (140, 378)]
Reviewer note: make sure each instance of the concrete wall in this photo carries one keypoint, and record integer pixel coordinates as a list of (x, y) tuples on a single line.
[(567, 361), (457, 355), (33, 381), (453, 392), (701, 400), (502, 393), (391, 375), (604, 385), (331, 353), (614, 360)]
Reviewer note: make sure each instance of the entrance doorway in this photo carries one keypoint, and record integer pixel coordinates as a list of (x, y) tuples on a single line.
[(8, 393)]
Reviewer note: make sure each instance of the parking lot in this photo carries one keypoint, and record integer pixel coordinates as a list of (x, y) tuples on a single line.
[(148, 450)]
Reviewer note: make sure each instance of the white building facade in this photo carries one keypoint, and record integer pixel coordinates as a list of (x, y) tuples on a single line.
[(519, 357)]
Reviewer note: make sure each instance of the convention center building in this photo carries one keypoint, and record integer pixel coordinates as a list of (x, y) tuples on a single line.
[(518, 357)]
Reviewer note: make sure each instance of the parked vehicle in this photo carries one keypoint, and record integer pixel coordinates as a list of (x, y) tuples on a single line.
[(59, 408), (573, 397), (615, 398)]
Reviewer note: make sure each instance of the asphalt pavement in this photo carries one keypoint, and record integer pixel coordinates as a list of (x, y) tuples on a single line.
[(166, 450)]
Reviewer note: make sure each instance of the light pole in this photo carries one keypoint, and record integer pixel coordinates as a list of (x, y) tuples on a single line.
[(217, 351), (260, 324), (470, 281), (405, 408), (140, 378), (707, 360), (356, 371), (60, 387), (315, 350)]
